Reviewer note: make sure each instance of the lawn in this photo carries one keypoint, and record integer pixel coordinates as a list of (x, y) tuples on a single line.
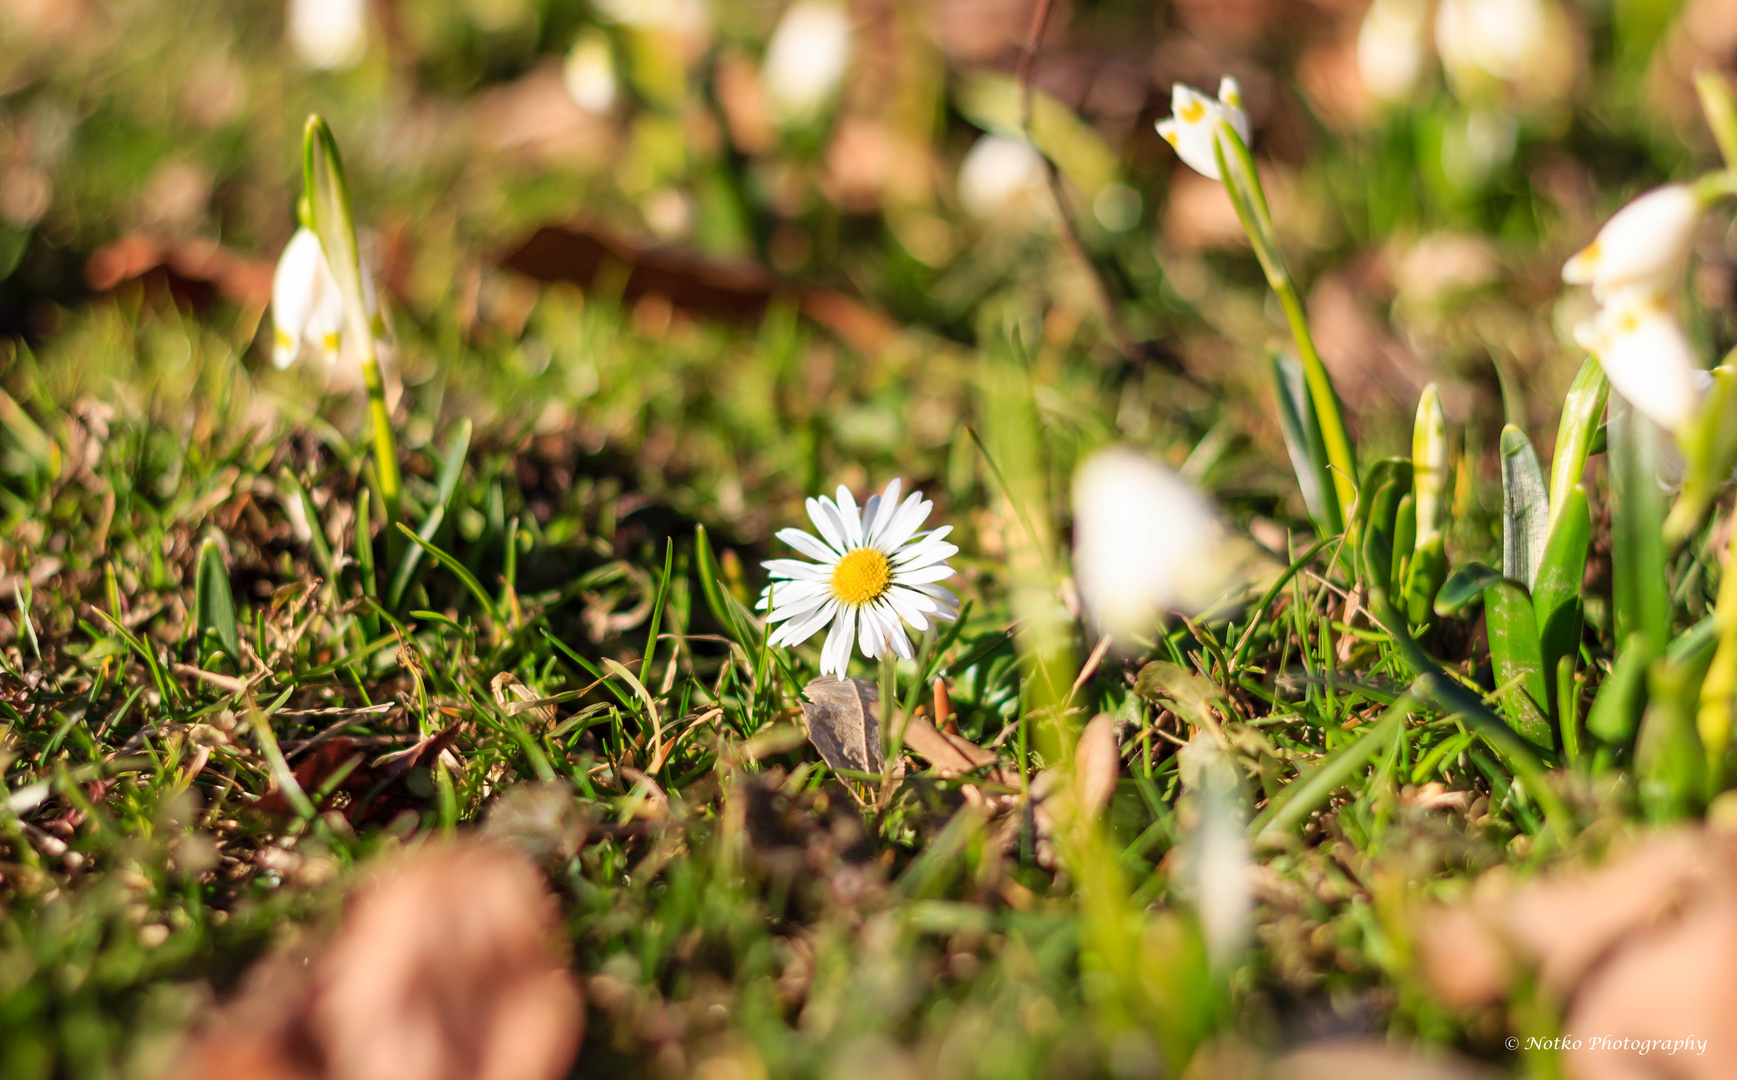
[(666, 537)]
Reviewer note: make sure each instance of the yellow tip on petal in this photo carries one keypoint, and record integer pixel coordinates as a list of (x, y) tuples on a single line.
[(1192, 112)]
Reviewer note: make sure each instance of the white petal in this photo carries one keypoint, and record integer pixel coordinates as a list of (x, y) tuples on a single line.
[(795, 633), (895, 632), (944, 596), (904, 523), (1647, 357), (831, 526), (883, 508), (808, 545), (923, 575), (835, 654), (871, 636), (852, 517), (911, 606), (1645, 244), (294, 290)]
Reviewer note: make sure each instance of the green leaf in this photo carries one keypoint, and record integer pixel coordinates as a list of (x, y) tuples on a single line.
[(1519, 664), (328, 201), (1303, 440), (213, 603), (1463, 587), (1616, 709), (1423, 580), (1525, 508), (1575, 432), (1641, 591), (1670, 762), (1556, 593), (451, 468)]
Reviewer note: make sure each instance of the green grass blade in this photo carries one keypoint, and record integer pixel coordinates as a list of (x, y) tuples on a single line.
[(1517, 656), (214, 604), (1582, 409), (460, 571), (1308, 792), (451, 468), (1556, 602)]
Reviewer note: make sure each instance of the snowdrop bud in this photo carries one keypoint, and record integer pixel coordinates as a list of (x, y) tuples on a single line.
[(589, 74), (806, 59), (1645, 354), (1001, 175), (1194, 118), (307, 309), (329, 34), (1392, 45), (1145, 543), (1644, 244)]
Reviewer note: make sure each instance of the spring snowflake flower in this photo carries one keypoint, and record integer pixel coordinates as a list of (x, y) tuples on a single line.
[(1644, 244), (872, 569), (1194, 120), (1645, 354), (307, 308)]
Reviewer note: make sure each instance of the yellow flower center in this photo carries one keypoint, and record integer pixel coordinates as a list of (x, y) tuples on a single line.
[(1191, 112), (862, 575)]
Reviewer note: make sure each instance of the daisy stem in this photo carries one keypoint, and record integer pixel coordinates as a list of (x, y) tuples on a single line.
[(892, 726)]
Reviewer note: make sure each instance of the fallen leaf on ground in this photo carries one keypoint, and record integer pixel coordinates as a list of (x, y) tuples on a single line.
[(446, 968), (844, 722)]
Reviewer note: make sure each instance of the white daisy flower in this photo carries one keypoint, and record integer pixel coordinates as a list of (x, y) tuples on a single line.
[(873, 571), (1194, 121), (1644, 244), (307, 309)]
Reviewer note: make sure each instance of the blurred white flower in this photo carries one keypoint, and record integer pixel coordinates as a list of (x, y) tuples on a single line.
[(1001, 175), (1495, 38), (1473, 150), (1645, 244), (872, 570), (1392, 47), (1215, 856), (1145, 542), (328, 34), (589, 73), (1645, 354), (806, 59), (1194, 119), (307, 309)]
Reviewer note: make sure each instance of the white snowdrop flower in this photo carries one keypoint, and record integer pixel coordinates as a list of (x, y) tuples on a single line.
[(328, 34), (1145, 542), (1194, 118), (307, 309), (806, 59), (1001, 175), (589, 74), (1392, 47), (873, 572), (1645, 354), (1645, 244)]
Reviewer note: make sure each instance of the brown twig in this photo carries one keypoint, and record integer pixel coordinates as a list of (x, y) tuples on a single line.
[(1070, 232)]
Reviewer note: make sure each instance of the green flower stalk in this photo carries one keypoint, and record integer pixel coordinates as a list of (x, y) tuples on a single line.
[(328, 209), (1211, 137)]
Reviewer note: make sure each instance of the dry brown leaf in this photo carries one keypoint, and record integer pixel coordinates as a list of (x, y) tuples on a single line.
[(446, 969), (844, 723), (1097, 765)]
